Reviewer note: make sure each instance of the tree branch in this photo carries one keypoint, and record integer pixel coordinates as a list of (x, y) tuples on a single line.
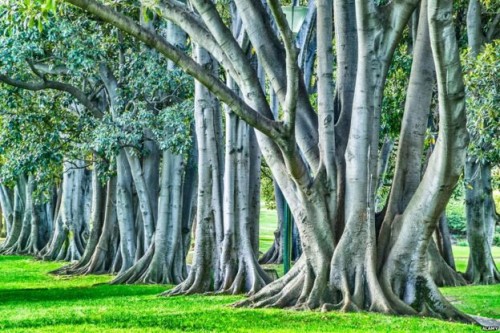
[(247, 80), (292, 67), (47, 84), (217, 87)]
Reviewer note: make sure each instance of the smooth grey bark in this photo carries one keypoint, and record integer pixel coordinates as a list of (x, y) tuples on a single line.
[(205, 272), (443, 241), (37, 219), (70, 228), (157, 265), (346, 38), (105, 258), (240, 269), (144, 199), (151, 169), (7, 210), (129, 165), (441, 272), (409, 159), (189, 207), (34, 228), (408, 283), (18, 208), (25, 237), (254, 181), (475, 36), (96, 222), (411, 142), (125, 212)]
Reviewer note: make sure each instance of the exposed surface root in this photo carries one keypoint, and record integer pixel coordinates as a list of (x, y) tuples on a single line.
[(440, 271), (486, 274), (197, 282), (299, 289), (419, 294), (249, 277)]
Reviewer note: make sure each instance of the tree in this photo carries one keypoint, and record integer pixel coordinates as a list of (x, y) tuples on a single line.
[(305, 151), (131, 118), (482, 86)]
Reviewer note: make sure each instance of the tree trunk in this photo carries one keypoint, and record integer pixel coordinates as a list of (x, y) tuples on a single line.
[(125, 212), (104, 259), (18, 208), (481, 220), (240, 269), (400, 283), (408, 283), (441, 272), (205, 273), (7, 210), (68, 238), (23, 204), (96, 223), (158, 263), (40, 227), (444, 241)]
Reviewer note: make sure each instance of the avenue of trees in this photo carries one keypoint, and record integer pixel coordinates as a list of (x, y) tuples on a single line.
[(133, 135)]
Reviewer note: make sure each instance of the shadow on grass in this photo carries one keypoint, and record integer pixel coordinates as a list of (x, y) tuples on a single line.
[(54, 295)]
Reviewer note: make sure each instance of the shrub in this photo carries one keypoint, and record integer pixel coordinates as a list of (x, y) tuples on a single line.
[(455, 213), (496, 237)]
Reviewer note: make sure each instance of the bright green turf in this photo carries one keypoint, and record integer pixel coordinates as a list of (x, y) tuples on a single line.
[(32, 301), (268, 224)]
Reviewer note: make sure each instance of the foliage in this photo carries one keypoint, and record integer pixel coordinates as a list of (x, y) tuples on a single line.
[(70, 48), (36, 133), (175, 127), (482, 79), (267, 194), (395, 92), (496, 237), (33, 301), (455, 213)]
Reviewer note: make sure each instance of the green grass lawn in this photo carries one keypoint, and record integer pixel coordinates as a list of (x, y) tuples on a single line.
[(33, 301), (268, 224)]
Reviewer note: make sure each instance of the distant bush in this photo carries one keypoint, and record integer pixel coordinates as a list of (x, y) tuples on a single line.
[(496, 237), (455, 213)]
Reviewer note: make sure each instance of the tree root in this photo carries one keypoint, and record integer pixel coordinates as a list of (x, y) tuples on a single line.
[(419, 294), (483, 278), (299, 289), (197, 282), (99, 263), (249, 277)]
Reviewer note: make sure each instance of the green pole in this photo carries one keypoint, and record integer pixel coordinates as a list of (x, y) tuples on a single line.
[(287, 238)]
